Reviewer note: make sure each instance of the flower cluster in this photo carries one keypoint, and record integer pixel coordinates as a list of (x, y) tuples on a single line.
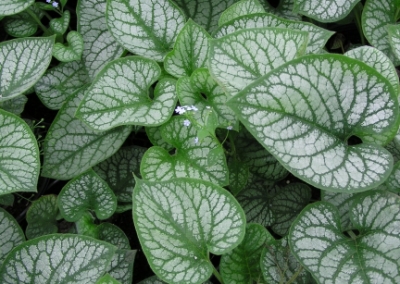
[(183, 109), (54, 3)]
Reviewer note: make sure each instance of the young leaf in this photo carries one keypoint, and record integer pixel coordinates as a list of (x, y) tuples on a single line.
[(241, 8), (242, 264), (73, 51), (190, 158), (42, 217), (99, 46), (238, 59), (118, 171), (120, 95), (324, 11), (60, 82), (308, 110), (180, 221), (60, 25), (317, 36), (57, 259), (23, 62), (71, 147), (11, 234), (86, 192), (317, 241), (190, 51), (19, 155), (145, 28), (206, 12), (278, 265), (15, 106), (394, 39), (107, 279), (12, 7), (377, 14)]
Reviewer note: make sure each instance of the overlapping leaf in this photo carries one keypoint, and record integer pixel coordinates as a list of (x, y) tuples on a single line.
[(22, 24), (180, 221), (241, 8), (317, 36), (71, 147), (19, 155), (242, 264), (324, 10), (377, 14), (86, 192), (342, 202), (240, 58), (15, 106), (394, 39), (308, 110), (206, 13), (60, 25), (11, 234), (317, 240), (190, 51), (58, 259), (118, 171), (120, 95), (23, 62), (99, 46), (11, 7), (42, 217), (145, 28), (60, 82), (189, 159)]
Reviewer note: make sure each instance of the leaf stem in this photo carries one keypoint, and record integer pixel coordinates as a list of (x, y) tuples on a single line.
[(217, 275), (37, 20), (352, 235)]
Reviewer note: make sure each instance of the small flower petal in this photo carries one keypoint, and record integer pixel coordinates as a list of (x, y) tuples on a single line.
[(180, 110), (230, 127), (55, 4), (186, 122), (48, 1)]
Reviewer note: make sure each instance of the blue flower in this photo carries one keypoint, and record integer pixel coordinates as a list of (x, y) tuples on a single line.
[(186, 122), (55, 4)]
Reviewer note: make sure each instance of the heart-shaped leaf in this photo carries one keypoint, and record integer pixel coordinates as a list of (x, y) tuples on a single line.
[(377, 14), (137, 27), (42, 217), (317, 36), (57, 259), (60, 25), (71, 147), (200, 217), (308, 110), (23, 62), (278, 265), (342, 202), (394, 39), (19, 155), (324, 11), (58, 83), (238, 59), (206, 12), (190, 51), (317, 241), (11, 234), (15, 106), (86, 192), (73, 51), (190, 158), (118, 169), (12, 7), (99, 46), (241, 8), (120, 95), (242, 264)]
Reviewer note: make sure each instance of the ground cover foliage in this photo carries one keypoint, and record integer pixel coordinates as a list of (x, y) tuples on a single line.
[(209, 141)]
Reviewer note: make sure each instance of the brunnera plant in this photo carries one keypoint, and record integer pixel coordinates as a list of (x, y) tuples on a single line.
[(246, 130)]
